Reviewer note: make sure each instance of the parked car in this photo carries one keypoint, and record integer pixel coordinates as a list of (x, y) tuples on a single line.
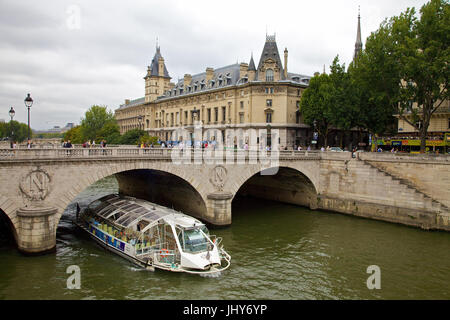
[(336, 149)]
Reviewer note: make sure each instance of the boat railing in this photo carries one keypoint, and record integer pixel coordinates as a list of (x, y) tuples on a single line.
[(165, 256), (216, 240), (145, 248)]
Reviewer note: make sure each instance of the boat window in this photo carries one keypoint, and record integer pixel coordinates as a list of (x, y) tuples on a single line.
[(205, 230), (117, 215), (194, 241), (106, 211)]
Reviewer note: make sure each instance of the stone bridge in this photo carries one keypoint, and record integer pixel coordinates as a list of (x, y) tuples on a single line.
[(37, 185)]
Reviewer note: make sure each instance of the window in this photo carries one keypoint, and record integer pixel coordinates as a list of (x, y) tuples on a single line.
[(269, 90), (269, 117), (241, 117), (185, 117), (297, 117), (209, 115), (269, 103), (216, 114), (269, 75), (242, 104), (224, 113)]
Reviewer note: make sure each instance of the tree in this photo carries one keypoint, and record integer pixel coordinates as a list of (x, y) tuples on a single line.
[(74, 135), (345, 108), (404, 68), (423, 51), (110, 132), (316, 105), (94, 121), (14, 130), (132, 136)]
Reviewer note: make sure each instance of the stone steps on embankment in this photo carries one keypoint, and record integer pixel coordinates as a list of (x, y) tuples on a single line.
[(406, 190)]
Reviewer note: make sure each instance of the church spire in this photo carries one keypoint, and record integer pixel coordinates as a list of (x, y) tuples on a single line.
[(358, 44)]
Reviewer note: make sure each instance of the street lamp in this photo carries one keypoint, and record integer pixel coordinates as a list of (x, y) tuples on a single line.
[(28, 103), (12, 113)]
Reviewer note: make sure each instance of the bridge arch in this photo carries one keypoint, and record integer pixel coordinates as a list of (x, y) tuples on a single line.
[(8, 209), (286, 183), (64, 196)]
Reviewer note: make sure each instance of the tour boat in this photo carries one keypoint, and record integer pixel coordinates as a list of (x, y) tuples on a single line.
[(153, 236)]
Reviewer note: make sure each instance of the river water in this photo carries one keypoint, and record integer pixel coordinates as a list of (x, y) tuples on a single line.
[(278, 251)]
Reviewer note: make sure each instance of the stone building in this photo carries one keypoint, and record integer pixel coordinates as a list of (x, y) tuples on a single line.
[(237, 96)]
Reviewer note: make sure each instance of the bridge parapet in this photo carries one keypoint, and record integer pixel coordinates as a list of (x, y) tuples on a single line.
[(157, 153)]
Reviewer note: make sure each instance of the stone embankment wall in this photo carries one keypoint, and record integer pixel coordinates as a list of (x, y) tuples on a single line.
[(359, 187)]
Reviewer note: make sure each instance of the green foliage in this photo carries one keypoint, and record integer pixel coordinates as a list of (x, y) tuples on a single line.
[(109, 132), (132, 137), (345, 109), (404, 68), (96, 118), (316, 104), (74, 135), (15, 130)]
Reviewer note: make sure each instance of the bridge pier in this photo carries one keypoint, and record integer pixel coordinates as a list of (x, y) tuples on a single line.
[(219, 209), (37, 230)]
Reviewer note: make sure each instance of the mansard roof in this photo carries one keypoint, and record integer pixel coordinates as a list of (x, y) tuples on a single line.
[(222, 77)]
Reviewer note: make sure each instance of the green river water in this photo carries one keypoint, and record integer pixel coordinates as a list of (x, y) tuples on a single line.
[(278, 251)]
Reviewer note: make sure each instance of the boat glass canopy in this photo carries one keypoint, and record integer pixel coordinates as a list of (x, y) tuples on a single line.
[(119, 210)]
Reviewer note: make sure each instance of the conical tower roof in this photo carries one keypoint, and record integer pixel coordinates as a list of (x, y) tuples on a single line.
[(251, 65), (270, 51), (155, 64)]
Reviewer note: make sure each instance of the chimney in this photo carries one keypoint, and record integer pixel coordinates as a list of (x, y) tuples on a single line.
[(285, 63), (187, 80), (161, 67), (127, 101), (243, 69), (209, 74)]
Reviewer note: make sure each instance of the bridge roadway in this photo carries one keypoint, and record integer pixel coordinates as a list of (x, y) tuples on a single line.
[(38, 184)]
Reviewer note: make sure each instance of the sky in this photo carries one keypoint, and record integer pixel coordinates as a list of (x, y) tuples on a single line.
[(70, 55)]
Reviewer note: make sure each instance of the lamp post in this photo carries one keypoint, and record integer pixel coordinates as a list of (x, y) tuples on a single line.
[(28, 103), (12, 113), (315, 135)]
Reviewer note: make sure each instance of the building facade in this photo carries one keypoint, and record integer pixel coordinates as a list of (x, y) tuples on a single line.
[(238, 96)]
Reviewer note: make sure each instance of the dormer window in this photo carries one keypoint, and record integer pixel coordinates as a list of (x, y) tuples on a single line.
[(211, 83), (269, 75), (228, 79)]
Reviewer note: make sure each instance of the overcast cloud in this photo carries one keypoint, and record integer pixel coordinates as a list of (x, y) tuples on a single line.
[(72, 54)]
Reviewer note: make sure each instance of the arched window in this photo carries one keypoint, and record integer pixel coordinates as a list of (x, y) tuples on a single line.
[(269, 75)]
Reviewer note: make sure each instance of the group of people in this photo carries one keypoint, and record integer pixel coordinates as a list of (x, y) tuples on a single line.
[(89, 144)]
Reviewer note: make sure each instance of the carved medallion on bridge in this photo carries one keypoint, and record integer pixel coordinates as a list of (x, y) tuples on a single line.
[(218, 177), (36, 185)]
